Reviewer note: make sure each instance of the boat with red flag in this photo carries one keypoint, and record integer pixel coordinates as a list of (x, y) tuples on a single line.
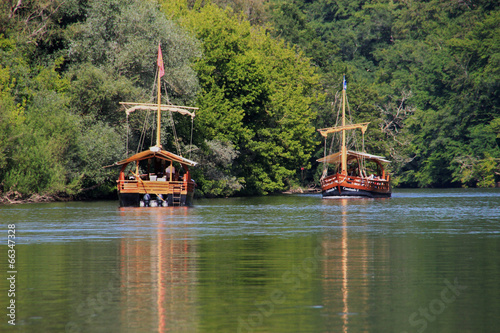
[(156, 177)]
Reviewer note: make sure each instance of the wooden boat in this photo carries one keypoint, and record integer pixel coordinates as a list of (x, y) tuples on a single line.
[(356, 174), (165, 179)]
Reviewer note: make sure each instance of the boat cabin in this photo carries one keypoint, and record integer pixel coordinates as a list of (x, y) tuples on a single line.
[(155, 177)]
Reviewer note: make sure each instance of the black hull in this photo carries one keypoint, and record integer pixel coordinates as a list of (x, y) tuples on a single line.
[(349, 192), (141, 200)]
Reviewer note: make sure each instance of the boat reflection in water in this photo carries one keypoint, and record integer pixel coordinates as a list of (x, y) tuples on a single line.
[(273, 264), (163, 278), (158, 274), (346, 270)]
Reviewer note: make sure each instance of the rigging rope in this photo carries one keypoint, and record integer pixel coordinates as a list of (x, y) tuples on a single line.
[(355, 144), (152, 131), (126, 149), (176, 138), (351, 139), (325, 165), (337, 105), (191, 139), (142, 137)]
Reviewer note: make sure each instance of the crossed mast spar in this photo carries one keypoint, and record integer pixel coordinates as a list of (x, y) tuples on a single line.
[(133, 106), (325, 131)]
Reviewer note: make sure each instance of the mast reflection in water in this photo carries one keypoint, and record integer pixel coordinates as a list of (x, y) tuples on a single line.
[(265, 264), (158, 274)]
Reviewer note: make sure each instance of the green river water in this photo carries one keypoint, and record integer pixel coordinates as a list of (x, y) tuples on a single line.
[(421, 261)]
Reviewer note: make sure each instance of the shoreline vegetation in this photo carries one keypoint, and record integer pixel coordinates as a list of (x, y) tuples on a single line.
[(14, 197), (264, 75)]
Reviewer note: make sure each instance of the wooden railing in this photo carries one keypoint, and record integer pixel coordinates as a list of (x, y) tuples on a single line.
[(154, 187), (379, 185)]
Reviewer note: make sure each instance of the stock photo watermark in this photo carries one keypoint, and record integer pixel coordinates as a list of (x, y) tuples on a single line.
[(420, 319), (93, 306), (293, 279), (11, 273)]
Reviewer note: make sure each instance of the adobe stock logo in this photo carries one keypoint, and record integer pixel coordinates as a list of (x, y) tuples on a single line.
[(420, 319)]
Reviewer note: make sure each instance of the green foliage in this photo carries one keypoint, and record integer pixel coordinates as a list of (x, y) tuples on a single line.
[(114, 52), (256, 93), (122, 37), (39, 127), (59, 130), (95, 147), (96, 94), (11, 117), (37, 161), (214, 176), (431, 69), (477, 172), (426, 76)]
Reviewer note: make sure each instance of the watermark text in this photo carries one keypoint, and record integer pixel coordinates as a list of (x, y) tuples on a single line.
[(420, 319), (11, 273)]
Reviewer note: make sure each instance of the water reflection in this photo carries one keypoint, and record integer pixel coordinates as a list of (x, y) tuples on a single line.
[(345, 253), (274, 264), (158, 274), (344, 261)]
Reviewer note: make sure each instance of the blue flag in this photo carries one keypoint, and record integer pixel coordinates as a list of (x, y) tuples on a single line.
[(345, 84)]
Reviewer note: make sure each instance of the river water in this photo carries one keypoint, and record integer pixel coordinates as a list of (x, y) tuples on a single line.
[(421, 261)]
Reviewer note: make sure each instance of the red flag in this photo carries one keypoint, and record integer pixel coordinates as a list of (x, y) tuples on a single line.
[(160, 62)]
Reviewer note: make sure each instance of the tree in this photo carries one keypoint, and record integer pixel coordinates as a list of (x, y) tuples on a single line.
[(215, 173), (40, 126), (256, 94), (122, 38), (62, 79), (118, 44)]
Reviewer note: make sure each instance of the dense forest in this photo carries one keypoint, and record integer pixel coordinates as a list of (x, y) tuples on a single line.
[(264, 74)]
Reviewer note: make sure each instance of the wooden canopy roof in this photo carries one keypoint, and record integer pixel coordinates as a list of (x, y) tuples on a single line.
[(155, 152), (336, 158)]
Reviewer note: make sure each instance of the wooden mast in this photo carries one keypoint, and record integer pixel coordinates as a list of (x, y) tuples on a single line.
[(158, 117), (161, 71), (344, 149), (333, 185)]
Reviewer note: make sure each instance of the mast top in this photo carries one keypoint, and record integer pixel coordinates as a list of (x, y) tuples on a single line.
[(161, 72)]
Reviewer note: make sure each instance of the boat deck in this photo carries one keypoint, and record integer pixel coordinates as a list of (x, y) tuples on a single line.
[(155, 187), (378, 185)]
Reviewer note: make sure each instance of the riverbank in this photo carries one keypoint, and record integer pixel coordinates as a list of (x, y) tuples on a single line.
[(14, 197), (302, 190)]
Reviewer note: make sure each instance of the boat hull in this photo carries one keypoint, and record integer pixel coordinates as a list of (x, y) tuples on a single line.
[(132, 193), (349, 192), (339, 185), (143, 200)]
